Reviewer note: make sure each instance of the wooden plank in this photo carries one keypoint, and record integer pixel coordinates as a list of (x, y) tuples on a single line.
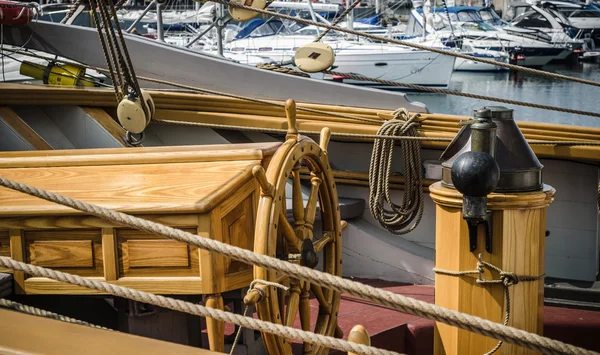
[(27, 133), (87, 222), (107, 122), (143, 188), (17, 253), (158, 285), (26, 334), (74, 251), (157, 253), (109, 254), (61, 253), (145, 255)]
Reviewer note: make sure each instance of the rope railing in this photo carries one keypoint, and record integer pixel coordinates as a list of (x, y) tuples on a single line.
[(386, 298), (193, 308)]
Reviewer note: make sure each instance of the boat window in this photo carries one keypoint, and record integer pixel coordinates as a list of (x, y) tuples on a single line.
[(469, 16), (308, 32), (585, 13), (532, 19)]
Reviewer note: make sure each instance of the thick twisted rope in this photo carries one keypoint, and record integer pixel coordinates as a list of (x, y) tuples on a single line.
[(282, 70), (386, 298), (463, 94), (409, 44), (506, 279), (192, 308), (399, 219), (43, 313)]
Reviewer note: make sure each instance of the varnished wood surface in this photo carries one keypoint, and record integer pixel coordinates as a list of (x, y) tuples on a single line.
[(143, 188), (149, 155), (25, 334), (108, 123), (23, 129), (222, 110), (518, 232), (496, 201)]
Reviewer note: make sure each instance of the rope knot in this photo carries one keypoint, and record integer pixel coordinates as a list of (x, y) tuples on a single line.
[(509, 278)]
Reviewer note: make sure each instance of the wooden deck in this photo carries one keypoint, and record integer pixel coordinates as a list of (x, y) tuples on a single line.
[(24, 334), (393, 330)]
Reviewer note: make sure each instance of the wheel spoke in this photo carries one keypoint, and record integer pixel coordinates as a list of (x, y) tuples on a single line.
[(305, 314), (323, 304), (311, 207), (293, 303), (297, 202), (294, 244), (321, 243)]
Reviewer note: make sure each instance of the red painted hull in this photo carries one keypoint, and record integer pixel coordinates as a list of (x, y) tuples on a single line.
[(14, 13)]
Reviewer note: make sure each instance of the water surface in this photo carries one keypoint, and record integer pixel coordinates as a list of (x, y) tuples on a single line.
[(524, 87)]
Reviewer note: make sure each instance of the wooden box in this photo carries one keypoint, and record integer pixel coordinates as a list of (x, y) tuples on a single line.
[(205, 190)]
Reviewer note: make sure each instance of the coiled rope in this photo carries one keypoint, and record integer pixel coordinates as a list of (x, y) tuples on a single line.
[(386, 298), (399, 219)]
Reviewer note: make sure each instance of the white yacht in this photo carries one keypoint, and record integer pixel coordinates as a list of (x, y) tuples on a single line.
[(539, 18), (526, 47), (377, 60)]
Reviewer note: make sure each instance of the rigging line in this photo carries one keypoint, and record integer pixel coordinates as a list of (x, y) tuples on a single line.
[(337, 20), (412, 45), (464, 94), (115, 78), (212, 92), (357, 77)]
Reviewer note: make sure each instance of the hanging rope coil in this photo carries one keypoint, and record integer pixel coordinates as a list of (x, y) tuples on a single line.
[(399, 219), (506, 279)]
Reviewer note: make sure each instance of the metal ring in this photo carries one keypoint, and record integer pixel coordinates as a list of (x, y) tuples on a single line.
[(133, 140)]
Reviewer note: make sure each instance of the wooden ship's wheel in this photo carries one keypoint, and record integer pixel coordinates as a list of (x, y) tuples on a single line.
[(296, 242)]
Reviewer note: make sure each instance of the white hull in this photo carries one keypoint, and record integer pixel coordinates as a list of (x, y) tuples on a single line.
[(379, 61), (471, 65)]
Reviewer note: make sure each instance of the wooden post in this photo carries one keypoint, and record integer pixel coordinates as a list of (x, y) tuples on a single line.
[(359, 335), (215, 328), (518, 240)]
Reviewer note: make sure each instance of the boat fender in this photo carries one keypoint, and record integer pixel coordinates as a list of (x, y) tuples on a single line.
[(314, 57), (55, 74), (15, 13), (131, 114), (241, 15)]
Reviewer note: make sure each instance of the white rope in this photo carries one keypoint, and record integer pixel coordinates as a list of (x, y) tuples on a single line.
[(386, 298), (192, 308)]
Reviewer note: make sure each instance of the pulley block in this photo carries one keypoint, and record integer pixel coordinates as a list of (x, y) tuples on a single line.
[(131, 113)]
